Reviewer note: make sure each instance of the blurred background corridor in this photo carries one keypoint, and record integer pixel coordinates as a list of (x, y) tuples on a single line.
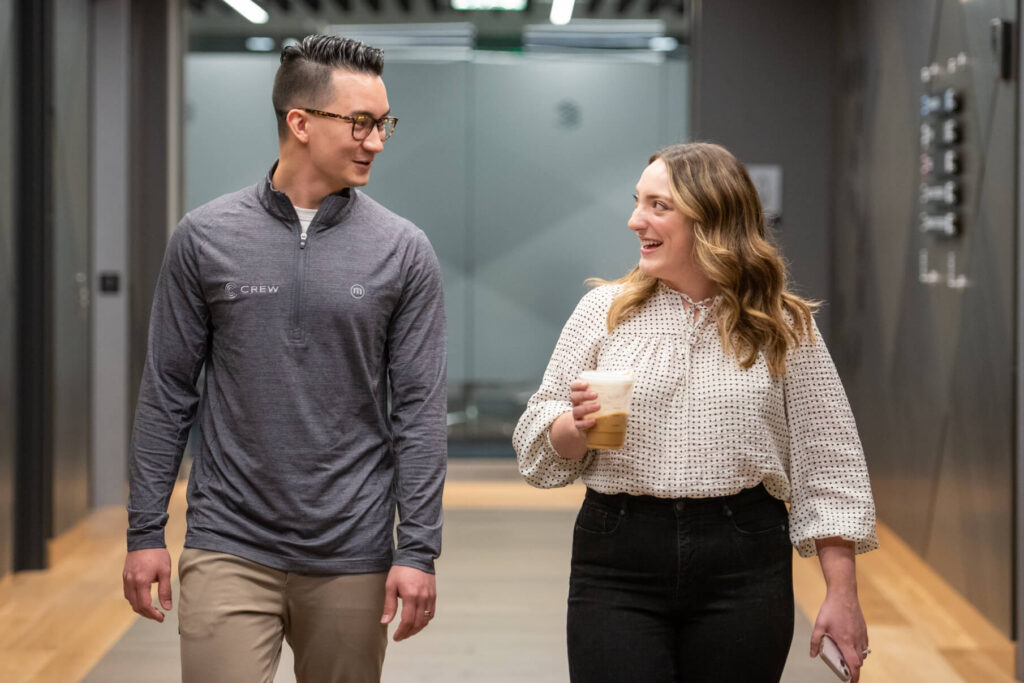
[(884, 137)]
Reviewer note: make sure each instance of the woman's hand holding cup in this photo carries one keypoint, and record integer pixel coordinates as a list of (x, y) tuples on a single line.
[(581, 408), (588, 425), (568, 432)]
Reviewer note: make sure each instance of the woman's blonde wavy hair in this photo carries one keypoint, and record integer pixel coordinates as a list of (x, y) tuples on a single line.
[(757, 313)]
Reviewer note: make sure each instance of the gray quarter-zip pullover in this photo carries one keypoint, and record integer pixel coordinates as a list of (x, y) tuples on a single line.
[(301, 462)]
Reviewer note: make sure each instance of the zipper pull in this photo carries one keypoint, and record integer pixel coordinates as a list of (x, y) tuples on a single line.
[(302, 241)]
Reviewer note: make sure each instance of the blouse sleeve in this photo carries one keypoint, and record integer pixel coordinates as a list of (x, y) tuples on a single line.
[(831, 492), (576, 351)]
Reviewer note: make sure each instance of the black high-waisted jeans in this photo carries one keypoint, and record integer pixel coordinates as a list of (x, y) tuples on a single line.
[(685, 590)]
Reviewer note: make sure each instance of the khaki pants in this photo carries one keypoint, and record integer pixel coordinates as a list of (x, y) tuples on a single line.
[(233, 614)]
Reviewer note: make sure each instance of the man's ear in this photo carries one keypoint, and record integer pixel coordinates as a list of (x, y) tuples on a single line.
[(298, 124)]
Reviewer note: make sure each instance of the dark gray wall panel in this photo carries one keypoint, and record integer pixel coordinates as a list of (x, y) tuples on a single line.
[(1018, 65), (764, 79), (928, 365), (71, 408), (152, 194), (33, 206), (7, 290)]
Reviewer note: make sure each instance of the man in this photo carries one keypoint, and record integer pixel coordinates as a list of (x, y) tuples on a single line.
[(318, 317)]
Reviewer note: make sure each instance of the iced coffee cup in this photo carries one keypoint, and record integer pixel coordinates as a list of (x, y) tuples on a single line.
[(614, 389)]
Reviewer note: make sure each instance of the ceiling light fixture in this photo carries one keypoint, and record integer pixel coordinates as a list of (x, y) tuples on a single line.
[(250, 10), (561, 12), (512, 5)]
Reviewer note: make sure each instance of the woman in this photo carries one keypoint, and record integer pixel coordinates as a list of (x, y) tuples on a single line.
[(681, 566)]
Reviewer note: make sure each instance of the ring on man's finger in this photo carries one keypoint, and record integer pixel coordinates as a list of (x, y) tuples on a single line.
[(865, 653), (428, 613)]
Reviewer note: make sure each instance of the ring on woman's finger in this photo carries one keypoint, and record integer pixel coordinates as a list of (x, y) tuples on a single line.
[(865, 653)]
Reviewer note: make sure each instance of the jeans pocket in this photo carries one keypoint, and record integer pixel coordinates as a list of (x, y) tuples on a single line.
[(763, 517), (597, 519)]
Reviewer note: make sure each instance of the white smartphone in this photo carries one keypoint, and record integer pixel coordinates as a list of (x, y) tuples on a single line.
[(831, 655)]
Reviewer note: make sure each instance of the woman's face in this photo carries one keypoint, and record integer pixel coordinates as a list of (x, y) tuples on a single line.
[(666, 234)]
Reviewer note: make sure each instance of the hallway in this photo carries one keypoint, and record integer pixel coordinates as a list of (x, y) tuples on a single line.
[(501, 584)]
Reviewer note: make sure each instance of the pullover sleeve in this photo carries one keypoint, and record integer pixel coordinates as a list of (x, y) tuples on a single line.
[(831, 492), (576, 351), (177, 348), (417, 349)]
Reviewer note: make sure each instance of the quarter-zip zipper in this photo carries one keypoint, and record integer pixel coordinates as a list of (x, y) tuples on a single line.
[(296, 333)]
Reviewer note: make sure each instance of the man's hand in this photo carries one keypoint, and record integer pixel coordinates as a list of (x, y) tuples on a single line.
[(143, 568), (418, 592)]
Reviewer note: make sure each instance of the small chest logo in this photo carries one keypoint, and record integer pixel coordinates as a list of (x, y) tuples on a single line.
[(357, 291), (233, 290)]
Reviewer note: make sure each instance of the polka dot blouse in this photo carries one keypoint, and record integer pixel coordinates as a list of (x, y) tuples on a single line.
[(702, 426)]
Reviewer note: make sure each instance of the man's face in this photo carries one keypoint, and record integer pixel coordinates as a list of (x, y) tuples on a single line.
[(340, 159)]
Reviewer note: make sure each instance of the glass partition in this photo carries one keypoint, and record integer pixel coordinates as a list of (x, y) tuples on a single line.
[(519, 167)]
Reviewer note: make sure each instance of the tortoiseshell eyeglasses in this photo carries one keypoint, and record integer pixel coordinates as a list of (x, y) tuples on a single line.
[(362, 124)]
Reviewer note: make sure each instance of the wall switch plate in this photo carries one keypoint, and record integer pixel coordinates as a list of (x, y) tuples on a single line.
[(767, 178), (110, 283)]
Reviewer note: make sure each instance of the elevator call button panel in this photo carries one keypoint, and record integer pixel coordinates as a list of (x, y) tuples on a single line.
[(941, 135)]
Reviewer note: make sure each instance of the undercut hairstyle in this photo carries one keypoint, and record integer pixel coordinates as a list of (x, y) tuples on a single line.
[(304, 77), (758, 313)]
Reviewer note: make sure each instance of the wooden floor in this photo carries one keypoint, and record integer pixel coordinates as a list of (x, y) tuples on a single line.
[(56, 624)]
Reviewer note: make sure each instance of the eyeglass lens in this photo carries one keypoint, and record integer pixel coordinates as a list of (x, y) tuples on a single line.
[(362, 125)]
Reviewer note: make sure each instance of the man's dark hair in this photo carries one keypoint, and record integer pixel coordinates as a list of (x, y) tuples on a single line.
[(304, 77)]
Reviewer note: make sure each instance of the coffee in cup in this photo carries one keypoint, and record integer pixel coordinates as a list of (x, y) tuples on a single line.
[(614, 389)]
